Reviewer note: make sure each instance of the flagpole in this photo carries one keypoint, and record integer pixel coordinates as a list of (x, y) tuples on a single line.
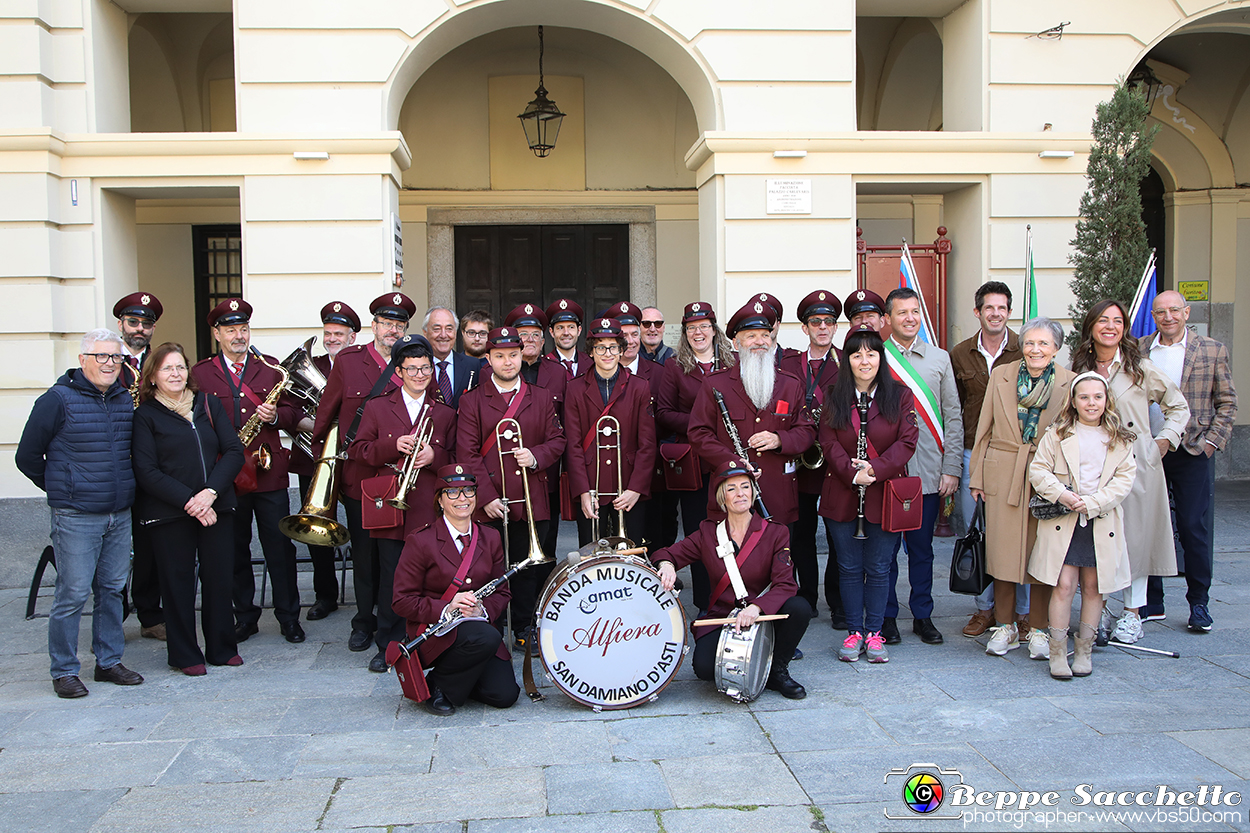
[(1028, 256)]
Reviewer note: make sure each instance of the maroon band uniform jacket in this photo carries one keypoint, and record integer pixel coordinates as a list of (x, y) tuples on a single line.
[(811, 481), (426, 568), (481, 409), (894, 446), (356, 369), (631, 406), (384, 422), (786, 415), (210, 375), (767, 574)]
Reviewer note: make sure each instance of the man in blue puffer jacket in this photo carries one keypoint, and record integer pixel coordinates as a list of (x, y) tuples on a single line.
[(76, 448)]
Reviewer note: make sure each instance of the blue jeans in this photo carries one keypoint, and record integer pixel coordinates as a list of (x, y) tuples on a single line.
[(92, 556), (919, 564), (966, 504), (863, 573)]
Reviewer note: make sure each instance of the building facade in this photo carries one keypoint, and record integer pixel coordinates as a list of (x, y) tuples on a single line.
[(299, 152)]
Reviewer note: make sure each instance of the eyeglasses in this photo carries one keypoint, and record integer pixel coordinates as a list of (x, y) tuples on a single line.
[(106, 358), (531, 336), (652, 324), (821, 322), (698, 328), (173, 368), (397, 326), (606, 349), (1173, 311), (477, 333), (462, 491), (140, 323), (420, 370)]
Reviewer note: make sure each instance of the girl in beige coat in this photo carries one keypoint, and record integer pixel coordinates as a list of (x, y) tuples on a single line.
[(1085, 462)]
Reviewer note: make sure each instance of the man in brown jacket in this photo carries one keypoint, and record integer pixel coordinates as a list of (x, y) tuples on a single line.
[(1199, 366), (993, 345)]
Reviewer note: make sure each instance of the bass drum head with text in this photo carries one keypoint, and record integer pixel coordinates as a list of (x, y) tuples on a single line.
[(610, 636)]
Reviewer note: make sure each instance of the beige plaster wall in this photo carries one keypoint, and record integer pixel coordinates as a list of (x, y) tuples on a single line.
[(167, 270)]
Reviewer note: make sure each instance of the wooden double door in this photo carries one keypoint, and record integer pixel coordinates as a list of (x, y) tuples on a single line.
[(501, 267)]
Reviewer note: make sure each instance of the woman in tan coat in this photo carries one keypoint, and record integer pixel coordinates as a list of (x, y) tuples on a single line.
[(1085, 463), (1022, 400)]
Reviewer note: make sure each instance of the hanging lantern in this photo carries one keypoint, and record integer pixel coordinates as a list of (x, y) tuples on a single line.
[(541, 119)]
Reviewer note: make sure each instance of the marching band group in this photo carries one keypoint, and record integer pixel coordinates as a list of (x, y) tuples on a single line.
[(453, 465)]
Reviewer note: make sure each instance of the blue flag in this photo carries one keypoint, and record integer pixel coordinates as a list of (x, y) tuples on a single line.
[(1143, 320)]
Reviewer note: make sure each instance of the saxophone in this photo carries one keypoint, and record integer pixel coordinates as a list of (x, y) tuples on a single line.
[(134, 390), (251, 428)]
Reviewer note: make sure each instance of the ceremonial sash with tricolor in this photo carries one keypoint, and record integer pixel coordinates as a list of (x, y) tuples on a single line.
[(926, 401)]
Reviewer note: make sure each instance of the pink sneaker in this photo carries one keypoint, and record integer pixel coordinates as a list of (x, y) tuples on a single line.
[(875, 647), (851, 648)]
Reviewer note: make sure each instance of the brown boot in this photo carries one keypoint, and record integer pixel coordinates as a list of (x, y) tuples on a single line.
[(1059, 654), (979, 623), (1082, 659)]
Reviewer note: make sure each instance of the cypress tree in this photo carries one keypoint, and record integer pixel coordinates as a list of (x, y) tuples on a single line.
[(1111, 249)]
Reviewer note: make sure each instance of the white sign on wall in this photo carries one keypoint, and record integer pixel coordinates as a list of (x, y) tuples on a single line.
[(789, 196), (397, 256)]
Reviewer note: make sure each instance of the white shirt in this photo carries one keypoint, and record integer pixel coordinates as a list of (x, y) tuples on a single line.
[(413, 405), (455, 534), (570, 357), (516, 384), (1170, 358), (990, 358)]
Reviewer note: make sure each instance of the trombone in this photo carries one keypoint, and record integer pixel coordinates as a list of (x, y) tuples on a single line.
[(607, 440), (510, 430), (409, 471)]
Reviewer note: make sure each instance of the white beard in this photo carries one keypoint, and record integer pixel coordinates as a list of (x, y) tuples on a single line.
[(759, 376)]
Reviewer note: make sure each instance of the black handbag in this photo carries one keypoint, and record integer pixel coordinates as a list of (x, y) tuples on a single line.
[(968, 574), (1045, 510)]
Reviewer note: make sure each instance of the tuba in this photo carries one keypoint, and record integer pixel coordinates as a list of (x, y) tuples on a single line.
[(510, 430), (306, 383), (251, 428), (316, 523), (814, 457)]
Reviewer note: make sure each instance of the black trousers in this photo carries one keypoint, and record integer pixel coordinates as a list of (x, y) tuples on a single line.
[(550, 538), (787, 634), (693, 513), (183, 545), (660, 530), (325, 583), (803, 548), (635, 524), (526, 584), (1191, 480), (145, 582), (364, 567), (391, 628), (469, 668), (269, 508)]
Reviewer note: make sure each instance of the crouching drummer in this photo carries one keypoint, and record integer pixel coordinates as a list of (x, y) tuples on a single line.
[(441, 566), (761, 549)]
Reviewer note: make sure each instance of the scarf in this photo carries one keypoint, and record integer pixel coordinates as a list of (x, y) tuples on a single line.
[(181, 406), (1032, 397)]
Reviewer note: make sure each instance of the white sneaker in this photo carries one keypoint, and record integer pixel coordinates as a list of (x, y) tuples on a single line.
[(1039, 644), (1128, 629), (1003, 638)]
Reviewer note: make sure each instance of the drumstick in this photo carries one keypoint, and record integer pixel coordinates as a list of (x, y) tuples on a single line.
[(634, 551), (767, 617)]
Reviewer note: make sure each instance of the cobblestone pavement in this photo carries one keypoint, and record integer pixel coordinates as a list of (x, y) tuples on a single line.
[(303, 737)]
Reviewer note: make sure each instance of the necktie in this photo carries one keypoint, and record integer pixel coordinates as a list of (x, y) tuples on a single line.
[(134, 362), (568, 366), (237, 369), (464, 541), (509, 395), (444, 382), (706, 367)]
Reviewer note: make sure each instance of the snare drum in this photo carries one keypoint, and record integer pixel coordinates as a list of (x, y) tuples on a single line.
[(743, 661), (609, 635)]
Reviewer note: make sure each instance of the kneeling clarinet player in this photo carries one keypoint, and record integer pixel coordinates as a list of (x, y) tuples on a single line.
[(441, 566), (757, 577)]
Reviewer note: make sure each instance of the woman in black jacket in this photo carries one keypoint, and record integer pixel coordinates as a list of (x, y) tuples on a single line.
[(186, 455)]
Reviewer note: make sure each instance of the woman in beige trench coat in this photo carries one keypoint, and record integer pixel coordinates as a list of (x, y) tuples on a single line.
[(1108, 349), (1089, 541), (1000, 475)]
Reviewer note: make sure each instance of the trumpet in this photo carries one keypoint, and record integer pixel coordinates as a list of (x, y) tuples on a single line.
[(509, 429), (607, 440), (251, 428), (408, 473)]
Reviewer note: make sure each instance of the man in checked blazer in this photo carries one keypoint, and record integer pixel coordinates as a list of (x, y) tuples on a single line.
[(1199, 366)]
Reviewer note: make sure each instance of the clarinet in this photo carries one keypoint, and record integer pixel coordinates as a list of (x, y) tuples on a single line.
[(861, 452), (739, 450)]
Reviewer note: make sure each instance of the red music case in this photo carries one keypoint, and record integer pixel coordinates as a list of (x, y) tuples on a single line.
[(682, 467), (902, 508), (375, 512)]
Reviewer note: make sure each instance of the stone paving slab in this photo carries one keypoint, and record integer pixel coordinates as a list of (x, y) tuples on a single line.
[(970, 721), (421, 799), (1147, 712), (1153, 673), (599, 788), (220, 719), (623, 822), (801, 730), (216, 760), (731, 780), (55, 812), (870, 818), (63, 725), (739, 820), (89, 766), (1230, 748), (270, 806), (361, 754), (684, 737), (348, 713), (459, 749)]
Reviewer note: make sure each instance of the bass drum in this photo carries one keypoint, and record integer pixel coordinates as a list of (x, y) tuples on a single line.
[(743, 661), (609, 635)]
